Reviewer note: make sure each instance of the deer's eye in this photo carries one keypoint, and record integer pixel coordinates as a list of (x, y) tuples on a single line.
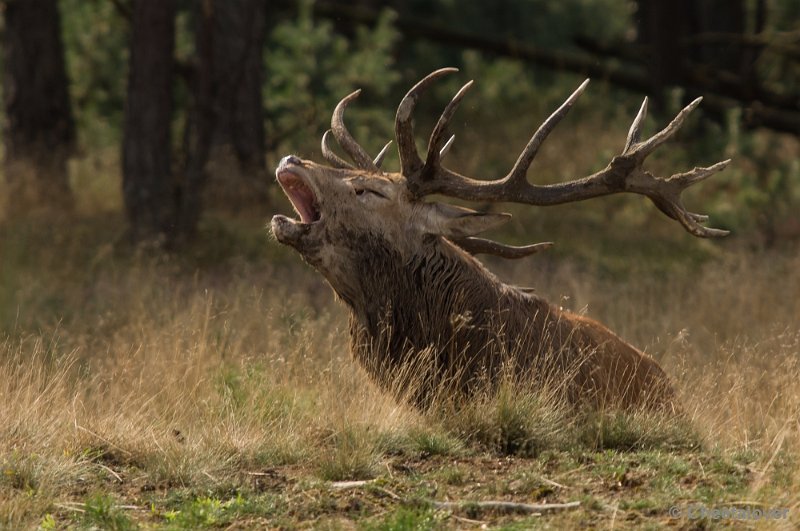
[(367, 192)]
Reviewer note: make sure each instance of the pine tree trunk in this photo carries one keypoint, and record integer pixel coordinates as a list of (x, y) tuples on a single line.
[(224, 137), (673, 31), (148, 187), (40, 130), (238, 66), (664, 26)]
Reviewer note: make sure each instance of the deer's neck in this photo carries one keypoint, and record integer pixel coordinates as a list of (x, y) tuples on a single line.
[(440, 299)]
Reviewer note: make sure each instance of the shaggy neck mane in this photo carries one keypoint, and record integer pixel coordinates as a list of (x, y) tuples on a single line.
[(439, 300)]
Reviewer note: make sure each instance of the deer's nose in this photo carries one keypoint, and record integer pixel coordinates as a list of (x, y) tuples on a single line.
[(291, 159)]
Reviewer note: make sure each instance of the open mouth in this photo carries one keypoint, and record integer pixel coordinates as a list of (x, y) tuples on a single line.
[(300, 194)]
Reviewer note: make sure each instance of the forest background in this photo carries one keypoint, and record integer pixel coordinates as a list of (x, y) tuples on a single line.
[(169, 364)]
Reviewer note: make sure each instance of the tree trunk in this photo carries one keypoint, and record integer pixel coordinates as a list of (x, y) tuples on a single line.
[(224, 137), (40, 130), (675, 34), (724, 17), (148, 188), (237, 66), (663, 27)]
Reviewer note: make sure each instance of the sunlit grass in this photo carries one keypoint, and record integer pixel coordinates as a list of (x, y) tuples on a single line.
[(215, 386)]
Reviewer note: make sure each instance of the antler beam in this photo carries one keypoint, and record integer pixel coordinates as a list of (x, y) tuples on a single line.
[(483, 246)]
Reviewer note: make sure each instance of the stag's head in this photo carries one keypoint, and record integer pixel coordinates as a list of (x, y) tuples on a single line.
[(347, 208), (342, 208)]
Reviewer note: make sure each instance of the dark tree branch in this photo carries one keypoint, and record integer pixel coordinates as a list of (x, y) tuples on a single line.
[(632, 77), (787, 44)]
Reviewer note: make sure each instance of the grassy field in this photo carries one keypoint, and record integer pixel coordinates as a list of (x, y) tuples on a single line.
[(215, 389)]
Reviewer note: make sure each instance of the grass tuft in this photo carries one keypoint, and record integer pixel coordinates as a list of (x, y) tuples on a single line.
[(350, 454), (435, 442), (513, 421), (631, 431)]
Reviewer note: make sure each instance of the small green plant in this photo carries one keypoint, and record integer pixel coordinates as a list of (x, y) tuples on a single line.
[(211, 511), (101, 511), (408, 519), (202, 512), (48, 523), (453, 475)]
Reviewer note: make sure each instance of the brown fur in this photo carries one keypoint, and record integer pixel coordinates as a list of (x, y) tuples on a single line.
[(428, 317), (475, 326)]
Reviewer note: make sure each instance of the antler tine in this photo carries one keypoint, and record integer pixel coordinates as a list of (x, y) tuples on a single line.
[(446, 148), (330, 156), (440, 133), (345, 139), (671, 204), (519, 173), (662, 136), (378, 161), (410, 162), (483, 246), (635, 131)]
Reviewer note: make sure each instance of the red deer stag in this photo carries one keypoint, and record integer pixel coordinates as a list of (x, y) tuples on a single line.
[(406, 270)]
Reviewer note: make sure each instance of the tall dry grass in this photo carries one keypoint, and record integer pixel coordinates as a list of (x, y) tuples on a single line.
[(194, 380)]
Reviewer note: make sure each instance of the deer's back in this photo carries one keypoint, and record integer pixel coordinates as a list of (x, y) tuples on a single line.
[(613, 372)]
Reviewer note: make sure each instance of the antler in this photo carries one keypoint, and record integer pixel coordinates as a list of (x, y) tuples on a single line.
[(410, 163), (483, 246), (623, 174), (345, 139), (348, 143)]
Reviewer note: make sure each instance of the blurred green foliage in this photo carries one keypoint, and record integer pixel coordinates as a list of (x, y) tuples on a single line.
[(311, 62), (96, 46), (541, 22), (767, 184), (310, 67)]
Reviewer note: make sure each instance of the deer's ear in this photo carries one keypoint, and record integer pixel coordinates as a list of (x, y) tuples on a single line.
[(458, 222)]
